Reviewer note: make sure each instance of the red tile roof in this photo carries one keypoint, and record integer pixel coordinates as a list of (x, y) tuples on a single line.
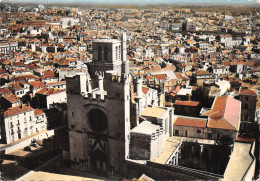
[(19, 64), (17, 110), (25, 77), (160, 76), (248, 92), (37, 84), (49, 74), (11, 97), (3, 71), (15, 85), (187, 103), (191, 122), (48, 91), (225, 113), (238, 63), (38, 112), (4, 90), (56, 83), (242, 139)]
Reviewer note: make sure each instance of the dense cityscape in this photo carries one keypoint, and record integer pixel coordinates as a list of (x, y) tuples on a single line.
[(128, 92)]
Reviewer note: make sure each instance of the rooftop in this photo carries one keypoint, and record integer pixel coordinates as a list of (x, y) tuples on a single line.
[(190, 122), (37, 84), (17, 110), (56, 83), (184, 91), (48, 91), (225, 113), (243, 153), (187, 103), (146, 128), (248, 92), (11, 97), (154, 111), (38, 112), (4, 90)]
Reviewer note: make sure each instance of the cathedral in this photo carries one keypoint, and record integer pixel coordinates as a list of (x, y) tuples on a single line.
[(107, 106), (99, 109)]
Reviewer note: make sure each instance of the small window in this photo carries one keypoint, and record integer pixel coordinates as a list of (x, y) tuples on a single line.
[(209, 135), (198, 131), (72, 113), (177, 132)]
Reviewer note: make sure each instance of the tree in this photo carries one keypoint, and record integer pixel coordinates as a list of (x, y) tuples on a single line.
[(202, 95), (223, 151)]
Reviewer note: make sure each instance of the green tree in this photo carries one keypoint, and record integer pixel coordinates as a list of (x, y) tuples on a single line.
[(223, 151), (202, 95)]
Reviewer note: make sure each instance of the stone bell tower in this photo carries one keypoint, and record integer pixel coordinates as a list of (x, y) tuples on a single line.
[(99, 110)]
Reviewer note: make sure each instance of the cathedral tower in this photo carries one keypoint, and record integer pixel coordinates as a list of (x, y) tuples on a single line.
[(99, 114)]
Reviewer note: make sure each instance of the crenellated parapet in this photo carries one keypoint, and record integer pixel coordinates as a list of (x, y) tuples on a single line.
[(114, 78), (95, 96)]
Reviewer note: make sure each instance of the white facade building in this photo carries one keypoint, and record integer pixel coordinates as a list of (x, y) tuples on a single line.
[(21, 121)]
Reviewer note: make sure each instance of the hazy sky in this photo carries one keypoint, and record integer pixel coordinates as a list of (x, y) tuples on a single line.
[(139, 1)]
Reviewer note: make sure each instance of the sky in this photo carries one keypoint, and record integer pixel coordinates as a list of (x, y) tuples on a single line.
[(220, 2)]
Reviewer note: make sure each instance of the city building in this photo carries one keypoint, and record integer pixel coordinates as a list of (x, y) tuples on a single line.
[(21, 121)]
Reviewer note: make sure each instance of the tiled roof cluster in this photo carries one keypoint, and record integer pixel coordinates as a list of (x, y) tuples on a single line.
[(11, 97), (16, 110), (48, 91)]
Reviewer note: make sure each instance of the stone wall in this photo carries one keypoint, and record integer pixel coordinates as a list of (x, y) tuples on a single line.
[(28, 141), (165, 172)]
